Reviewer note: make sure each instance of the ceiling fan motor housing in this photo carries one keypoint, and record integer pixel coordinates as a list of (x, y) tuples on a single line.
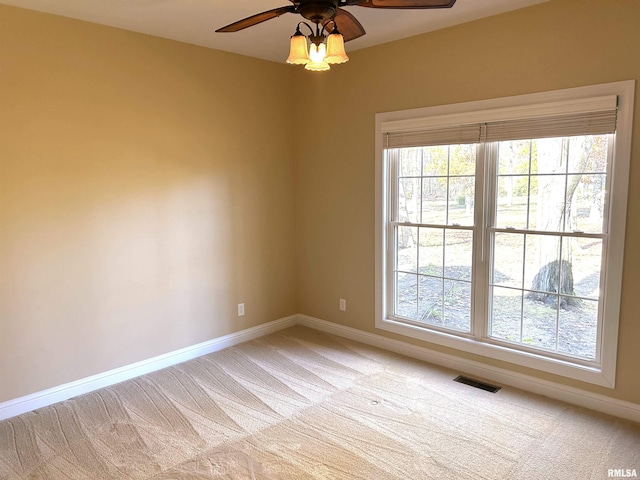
[(318, 11)]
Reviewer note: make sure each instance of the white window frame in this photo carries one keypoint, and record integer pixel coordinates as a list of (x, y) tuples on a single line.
[(601, 372)]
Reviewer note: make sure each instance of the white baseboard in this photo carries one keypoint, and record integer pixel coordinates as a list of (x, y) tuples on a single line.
[(575, 396), (53, 395)]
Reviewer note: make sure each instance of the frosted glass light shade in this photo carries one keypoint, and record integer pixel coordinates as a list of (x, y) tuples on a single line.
[(317, 63), (298, 50), (335, 49)]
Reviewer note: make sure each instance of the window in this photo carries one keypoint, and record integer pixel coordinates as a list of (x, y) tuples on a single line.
[(500, 226)]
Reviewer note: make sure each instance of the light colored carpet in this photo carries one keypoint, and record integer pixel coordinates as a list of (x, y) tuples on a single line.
[(300, 404)]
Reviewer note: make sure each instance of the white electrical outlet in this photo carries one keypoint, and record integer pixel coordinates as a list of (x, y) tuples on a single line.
[(343, 305), (240, 309)]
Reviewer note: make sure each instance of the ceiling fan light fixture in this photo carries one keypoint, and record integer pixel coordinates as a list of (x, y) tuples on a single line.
[(325, 15), (335, 49), (317, 54), (298, 54)]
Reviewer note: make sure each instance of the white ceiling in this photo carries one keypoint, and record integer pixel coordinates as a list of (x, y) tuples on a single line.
[(195, 21)]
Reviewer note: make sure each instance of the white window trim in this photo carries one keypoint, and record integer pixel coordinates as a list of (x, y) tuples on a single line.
[(499, 109)]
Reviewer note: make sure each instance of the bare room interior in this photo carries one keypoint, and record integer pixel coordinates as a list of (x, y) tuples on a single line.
[(201, 249)]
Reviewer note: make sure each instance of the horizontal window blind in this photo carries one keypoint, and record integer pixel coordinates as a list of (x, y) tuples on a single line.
[(592, 123), (457, 134), (554, 123)]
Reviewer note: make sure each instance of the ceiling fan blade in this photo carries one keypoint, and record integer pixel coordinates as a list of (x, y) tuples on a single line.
[(406, 4), (256, 19), (348, 25)]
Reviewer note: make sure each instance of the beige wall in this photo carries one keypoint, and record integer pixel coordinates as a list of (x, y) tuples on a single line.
[(558, 44), (146, 188)]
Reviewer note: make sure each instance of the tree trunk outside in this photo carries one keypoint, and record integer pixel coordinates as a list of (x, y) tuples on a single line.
[(555, 213)]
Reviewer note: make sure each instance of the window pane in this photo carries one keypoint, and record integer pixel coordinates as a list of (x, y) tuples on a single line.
[(585, 207), (506, 313), (434, 162), (434, 200), (407, 259), (508, 255), (586, 154), (513, 202), (409, 200), (514, 157), (547, 317), (436, 185), (553, 185), (458, 254), (549, 155), (444, 302), (431, 296), (567, 185), (541, 271), (457, 305), (578, 330), (539, 323), (462, 160), (596, 161), (461, 194), (431, 254), (585, 257), (409, 162), (406, 295), (549, 201)]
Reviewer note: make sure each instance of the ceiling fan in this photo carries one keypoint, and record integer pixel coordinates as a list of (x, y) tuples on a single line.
[(328, 16)]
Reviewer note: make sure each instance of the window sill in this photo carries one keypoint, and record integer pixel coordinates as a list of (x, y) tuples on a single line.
[(576, 371)]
